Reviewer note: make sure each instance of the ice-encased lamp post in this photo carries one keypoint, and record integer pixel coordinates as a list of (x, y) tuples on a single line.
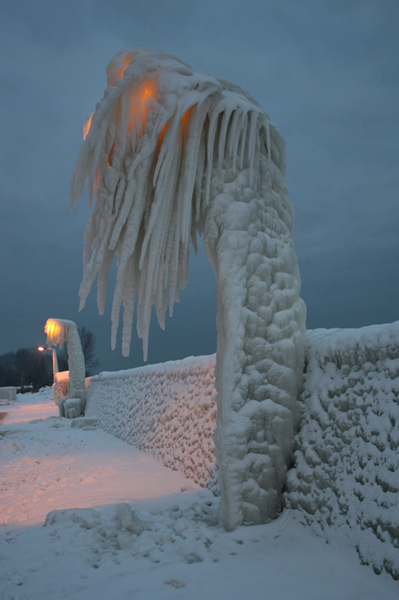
[(169, 153), (59, 331)]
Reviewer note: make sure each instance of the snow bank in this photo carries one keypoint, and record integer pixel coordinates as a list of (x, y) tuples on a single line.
[(346, 476), (168, 410), (178, 533)]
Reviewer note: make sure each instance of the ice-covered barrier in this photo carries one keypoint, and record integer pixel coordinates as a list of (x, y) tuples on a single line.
[(170, 153), (168, 410), (346, 477)]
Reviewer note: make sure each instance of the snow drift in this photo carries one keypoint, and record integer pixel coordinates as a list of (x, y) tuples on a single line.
[(171, 153)]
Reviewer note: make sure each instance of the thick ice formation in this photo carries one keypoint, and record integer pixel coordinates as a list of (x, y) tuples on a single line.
[(167, 410), (346, 475), (59, 331), (169, 153)]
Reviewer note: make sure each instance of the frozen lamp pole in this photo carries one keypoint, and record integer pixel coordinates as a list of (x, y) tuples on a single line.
[(54, 358), (59, 331), (170, 153)]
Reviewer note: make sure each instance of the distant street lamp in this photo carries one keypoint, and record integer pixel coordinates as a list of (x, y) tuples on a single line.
[(59, 331), (55, 361)]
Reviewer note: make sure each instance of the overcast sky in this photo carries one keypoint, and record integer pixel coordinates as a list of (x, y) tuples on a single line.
[(327, 74)]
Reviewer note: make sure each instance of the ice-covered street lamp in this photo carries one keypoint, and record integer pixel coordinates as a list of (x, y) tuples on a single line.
[(59, 331)]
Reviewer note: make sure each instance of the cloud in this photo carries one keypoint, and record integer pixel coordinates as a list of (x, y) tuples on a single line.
[(325, 72)]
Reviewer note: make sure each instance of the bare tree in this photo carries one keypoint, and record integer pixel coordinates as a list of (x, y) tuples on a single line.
[(88, 341)]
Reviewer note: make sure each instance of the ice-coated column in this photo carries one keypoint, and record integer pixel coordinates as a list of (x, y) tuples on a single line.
[(260, 345)]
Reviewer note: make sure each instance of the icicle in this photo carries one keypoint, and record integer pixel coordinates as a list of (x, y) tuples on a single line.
[(103, 281), (243, 138), (209, 151), (253, 121), (189, 169), (156, 205), (222, 135), (99, 141), (231, 134), (236, 137), (268, 141), (199, 178), (129, 297)]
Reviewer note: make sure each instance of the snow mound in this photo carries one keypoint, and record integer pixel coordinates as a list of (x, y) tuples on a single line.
[(346, 478), (171, 534)]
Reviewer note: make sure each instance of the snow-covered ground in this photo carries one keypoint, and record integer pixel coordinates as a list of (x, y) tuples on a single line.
[(119, 525)]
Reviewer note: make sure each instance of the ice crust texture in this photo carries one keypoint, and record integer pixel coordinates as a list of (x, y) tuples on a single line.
[(346, 478), (167, 410), (170, 153)]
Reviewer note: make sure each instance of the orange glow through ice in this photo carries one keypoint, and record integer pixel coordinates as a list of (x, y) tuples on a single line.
[(87, 125), (139, 100), (54, 331)]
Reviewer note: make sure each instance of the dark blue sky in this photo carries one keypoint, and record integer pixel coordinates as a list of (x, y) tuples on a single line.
[(326, 72)]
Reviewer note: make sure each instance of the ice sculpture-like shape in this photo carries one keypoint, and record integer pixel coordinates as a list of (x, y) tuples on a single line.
[(59, 331), (169, 153)]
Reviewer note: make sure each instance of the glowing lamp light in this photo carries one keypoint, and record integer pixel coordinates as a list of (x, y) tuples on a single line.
[(55, 332), (54, 358)]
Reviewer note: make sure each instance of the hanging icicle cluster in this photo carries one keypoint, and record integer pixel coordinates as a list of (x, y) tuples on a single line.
[(160, 134), (56, 332)]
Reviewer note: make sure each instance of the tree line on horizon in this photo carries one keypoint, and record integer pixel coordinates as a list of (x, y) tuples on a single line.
[(29, 367)]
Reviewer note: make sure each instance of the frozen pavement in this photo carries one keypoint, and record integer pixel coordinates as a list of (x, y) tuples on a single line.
[(118, 525), (48, 465)]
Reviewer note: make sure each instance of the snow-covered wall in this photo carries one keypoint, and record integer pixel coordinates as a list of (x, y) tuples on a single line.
[(346, 474), (168, 410)]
